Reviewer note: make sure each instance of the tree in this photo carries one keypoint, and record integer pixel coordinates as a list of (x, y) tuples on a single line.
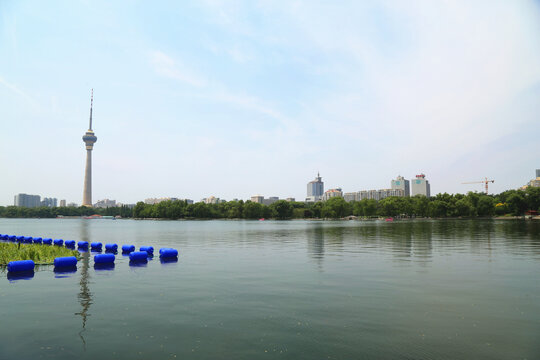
[(282, 209)]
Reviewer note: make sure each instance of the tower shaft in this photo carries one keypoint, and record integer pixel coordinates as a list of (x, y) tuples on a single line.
[(87, 193)]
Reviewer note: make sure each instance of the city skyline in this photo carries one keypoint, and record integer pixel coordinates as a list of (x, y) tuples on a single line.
[(261, 95)]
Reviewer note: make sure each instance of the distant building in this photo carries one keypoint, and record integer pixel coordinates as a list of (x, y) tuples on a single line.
[(105, 203), (270, 200), (25, 200), (332, 193), (373, 194), (72, 204), (315, 188), (257, 199), (152, 201), (211, 200), (533, 182), (62, 203), (420, 186), (401, 184), (49, 202), (290, 199)]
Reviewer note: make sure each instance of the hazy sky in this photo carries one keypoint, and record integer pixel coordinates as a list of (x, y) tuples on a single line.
[(236, 98)]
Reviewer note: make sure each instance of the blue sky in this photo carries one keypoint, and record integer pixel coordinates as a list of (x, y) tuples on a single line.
[(236, 98)]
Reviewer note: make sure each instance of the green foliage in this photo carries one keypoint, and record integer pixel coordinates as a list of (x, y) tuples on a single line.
[(282, 210), (52, 212), (40, 254)]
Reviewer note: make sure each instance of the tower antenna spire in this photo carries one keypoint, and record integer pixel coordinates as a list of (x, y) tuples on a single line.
[(91, 104)]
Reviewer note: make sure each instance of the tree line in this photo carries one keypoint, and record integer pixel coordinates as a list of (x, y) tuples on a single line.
[(473, 204)]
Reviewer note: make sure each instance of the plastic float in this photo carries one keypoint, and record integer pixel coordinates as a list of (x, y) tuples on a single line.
[(20, 239), (67, 261), (47, 241), (20, 265), (82, 245), (70, 244), (96, 246), (138, 256), (126, 249), (168, 253), (104, 259), (58, 242), (28, 239), (38, 240), (111, 247), (12, 238), (148, 249)]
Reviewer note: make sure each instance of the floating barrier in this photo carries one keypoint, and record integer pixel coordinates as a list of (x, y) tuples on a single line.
[(168, 253), (96, 246), (83, 245), (20, 239), (38, 240), (70, 244), (138, 256), (104, 259), (66, 261), (126, 249), (28, 239), (20, 265), (58, 242), (12, 238), (111, 247), (47, 241), (148, 249)]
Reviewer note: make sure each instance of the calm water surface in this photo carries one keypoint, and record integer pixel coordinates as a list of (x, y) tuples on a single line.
[(451, 289)]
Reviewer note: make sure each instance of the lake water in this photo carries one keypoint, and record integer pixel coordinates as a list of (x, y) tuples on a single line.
[(441, 289)]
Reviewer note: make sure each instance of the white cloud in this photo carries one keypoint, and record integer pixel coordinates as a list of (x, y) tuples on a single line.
[(165, 66)]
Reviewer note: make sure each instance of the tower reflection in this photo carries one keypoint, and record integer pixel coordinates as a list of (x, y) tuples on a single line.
[(85, 295)]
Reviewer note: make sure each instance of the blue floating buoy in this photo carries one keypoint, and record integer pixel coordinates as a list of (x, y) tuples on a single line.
[(82, 244), (126, 249), (58, 242), (12, 238), (70, 244), (38, 240), (96, 246), (20, 265), (168, 253), (138, 256), (111, 247), (66, 261), (148, 249), (104, 259), (47, 241), (28, 239), (20, 239)]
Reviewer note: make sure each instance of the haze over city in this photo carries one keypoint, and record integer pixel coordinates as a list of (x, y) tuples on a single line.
[(240, 98)]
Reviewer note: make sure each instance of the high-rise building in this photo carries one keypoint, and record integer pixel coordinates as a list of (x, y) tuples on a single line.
[(401, 184), (26, 200), (420, 186), (49, 202), (257, 199), (537, 173), (62, 203), (315, 189), (89, 139), (328, 194), (105, 203)]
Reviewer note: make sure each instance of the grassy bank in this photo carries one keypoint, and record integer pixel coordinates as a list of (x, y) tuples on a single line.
[(41, 254)]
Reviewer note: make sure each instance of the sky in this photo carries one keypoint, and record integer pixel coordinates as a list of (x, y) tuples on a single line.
[(237, 98)]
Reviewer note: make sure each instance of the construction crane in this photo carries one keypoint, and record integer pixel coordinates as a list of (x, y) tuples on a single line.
[(485, 182)]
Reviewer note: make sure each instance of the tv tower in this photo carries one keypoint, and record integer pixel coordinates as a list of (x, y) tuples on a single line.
[(89, 139)]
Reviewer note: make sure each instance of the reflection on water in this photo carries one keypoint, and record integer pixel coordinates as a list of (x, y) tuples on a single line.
[(85, 295)]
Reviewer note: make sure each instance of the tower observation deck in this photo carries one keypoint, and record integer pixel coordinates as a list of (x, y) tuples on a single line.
[(89, 139)]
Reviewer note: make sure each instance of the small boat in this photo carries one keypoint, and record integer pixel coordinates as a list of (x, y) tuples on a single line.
[(389, 219), (261, 219)]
